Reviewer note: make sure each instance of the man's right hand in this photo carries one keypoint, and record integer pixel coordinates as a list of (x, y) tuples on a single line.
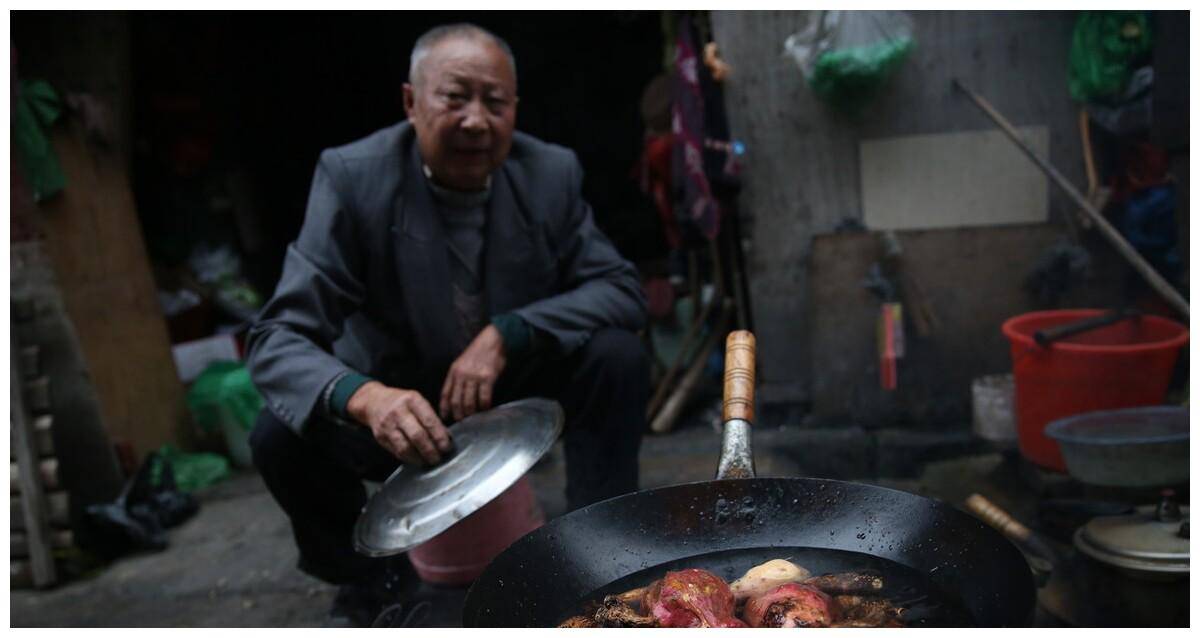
[(402, 421)]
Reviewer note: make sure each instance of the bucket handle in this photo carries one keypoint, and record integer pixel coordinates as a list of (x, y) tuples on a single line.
[(1043, 339), (1048, 336)]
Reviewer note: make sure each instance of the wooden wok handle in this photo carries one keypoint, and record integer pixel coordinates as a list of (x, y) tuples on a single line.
[(1025, 539), (739, 377), (997, 517)]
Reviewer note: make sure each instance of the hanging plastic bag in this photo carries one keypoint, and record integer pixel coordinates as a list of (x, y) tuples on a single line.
[(846, 56), (1106, 47), (1133, 110)]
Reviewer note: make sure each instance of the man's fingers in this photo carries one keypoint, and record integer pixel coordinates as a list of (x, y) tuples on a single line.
[(470, 397), (387, 442), (404, 451), (456, 399), (485, 395), (444, 402), (433, 425), (394, 441), (419, 438)]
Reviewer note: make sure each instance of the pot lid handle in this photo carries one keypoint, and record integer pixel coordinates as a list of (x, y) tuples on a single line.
[(1168, 508)]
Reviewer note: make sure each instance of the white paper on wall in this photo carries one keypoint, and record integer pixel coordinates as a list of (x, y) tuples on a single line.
[(952, 180)]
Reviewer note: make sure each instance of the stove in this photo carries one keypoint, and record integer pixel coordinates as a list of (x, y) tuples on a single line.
[(1082, 592), (1119, 565)]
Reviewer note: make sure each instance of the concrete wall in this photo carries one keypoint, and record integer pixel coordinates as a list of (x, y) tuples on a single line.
[(1172, 84), (802, 176), (970, 281)]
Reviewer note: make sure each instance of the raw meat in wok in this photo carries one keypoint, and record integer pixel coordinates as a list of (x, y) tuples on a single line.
[(791, 605), (691, 598)]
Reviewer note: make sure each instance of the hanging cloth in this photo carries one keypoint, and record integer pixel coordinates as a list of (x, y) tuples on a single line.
[(695, 207), (37, 107)]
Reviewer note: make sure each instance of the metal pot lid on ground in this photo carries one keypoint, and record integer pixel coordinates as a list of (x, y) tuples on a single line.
[(493, 449), (1153, 540)]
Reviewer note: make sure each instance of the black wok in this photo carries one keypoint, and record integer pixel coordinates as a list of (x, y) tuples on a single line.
[(970, 572)]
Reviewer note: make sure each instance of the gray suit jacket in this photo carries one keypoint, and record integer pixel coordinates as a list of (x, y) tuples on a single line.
[(365, 287)]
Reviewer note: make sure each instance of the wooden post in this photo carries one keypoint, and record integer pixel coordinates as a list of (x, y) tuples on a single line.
[(665, 419), (33, 504)]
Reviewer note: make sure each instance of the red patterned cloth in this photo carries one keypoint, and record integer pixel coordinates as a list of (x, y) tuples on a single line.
[(694, 197)]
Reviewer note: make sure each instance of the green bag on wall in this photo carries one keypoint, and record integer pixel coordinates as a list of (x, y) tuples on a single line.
[(848, 56), (1104, 49)]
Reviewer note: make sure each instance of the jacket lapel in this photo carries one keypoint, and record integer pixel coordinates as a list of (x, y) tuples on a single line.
[(421, 262)]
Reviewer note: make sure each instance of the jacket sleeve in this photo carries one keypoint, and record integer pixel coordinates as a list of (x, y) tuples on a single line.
[(600, 288), (289, 347)]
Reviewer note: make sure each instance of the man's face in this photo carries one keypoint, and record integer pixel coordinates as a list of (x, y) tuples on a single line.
[(464, 107)]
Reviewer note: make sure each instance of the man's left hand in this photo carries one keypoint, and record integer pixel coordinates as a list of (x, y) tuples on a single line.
[(472, 377)]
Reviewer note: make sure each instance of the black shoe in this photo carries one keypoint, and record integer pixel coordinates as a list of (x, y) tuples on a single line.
[(397, 580), (404, 615), (360, 603), (355, 605)]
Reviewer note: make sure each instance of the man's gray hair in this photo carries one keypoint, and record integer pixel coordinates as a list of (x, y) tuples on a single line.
[(457, 30)]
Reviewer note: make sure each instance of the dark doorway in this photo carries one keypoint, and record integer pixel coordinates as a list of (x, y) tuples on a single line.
[(232, 109)]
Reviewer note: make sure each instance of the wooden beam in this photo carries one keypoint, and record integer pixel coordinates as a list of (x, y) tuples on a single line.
[(94, 240), (18, 542), (47, 471), (33, 505)]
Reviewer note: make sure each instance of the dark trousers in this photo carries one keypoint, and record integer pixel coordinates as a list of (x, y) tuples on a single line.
[(317, 478)]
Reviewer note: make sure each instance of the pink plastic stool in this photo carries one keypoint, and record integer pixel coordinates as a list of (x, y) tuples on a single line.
[(459, 555)]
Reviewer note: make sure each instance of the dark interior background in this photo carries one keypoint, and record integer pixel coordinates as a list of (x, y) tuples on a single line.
[(231, 110)]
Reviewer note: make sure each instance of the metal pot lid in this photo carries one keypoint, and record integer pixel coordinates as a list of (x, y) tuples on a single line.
[(493, 449), (1137, 541)]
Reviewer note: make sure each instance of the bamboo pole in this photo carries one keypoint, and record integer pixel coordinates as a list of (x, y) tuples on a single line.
[(1111, 234)]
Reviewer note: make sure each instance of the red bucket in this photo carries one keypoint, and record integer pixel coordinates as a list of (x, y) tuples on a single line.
[(1124, 365), (459, 555)]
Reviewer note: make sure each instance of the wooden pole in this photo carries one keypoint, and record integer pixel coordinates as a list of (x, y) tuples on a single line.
[(697, 324), (1111, 234), (1089, 164), (665, 419), (660, 394), (33, 505)]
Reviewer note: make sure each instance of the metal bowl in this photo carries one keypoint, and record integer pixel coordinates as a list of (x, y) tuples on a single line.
[(1135, 447)]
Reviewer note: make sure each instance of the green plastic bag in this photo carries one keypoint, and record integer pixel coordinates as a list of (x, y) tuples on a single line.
[(848, 56), (849, 78), (1104, 48), (193, 471), (223, 399), (224, 385)]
